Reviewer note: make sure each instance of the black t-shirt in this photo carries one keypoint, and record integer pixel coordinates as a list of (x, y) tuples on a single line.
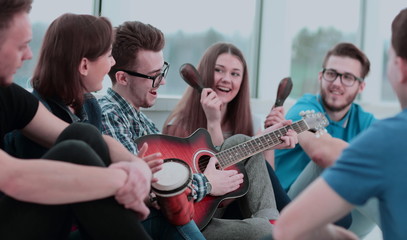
[(17, 109)]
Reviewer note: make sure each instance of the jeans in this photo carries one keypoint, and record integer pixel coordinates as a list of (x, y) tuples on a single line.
[(159, 228)]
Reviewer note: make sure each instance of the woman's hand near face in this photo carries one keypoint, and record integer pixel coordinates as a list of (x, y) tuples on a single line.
[(211, 105)]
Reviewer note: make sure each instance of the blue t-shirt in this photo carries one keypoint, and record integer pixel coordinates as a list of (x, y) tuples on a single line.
[(374, 165), (291, 162)]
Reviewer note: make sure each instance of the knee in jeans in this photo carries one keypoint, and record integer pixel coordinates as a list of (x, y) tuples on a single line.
[(234, 140)]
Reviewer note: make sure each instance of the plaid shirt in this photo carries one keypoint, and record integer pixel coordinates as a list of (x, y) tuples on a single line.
[(124, 123)]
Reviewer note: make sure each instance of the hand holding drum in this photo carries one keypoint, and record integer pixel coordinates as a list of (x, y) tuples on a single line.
[(173, 190)]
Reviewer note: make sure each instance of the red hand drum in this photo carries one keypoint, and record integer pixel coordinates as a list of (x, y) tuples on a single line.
[(173, 190)]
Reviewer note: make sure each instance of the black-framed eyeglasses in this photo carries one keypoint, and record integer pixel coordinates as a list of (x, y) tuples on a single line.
[(347, 79), (156, 79)]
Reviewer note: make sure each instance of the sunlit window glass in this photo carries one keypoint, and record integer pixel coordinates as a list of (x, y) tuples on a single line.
[(41, 17), (190, 27), (387, 12), (314, 30)]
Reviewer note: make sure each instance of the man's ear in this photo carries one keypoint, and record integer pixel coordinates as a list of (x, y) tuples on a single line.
[(121, 78), (362, 86), (402, 65), (319, 76), (84, 67)]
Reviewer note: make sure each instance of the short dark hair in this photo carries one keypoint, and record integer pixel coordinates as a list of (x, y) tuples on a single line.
[(130, 38), (8, 9), (349, 50), (399, 34)]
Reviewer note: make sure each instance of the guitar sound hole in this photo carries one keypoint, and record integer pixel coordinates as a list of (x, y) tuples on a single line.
[(203, 162)]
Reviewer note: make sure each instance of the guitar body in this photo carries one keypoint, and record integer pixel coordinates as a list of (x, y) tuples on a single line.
[(196, 151)]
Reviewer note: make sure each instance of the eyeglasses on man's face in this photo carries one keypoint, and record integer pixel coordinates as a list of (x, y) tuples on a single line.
[(156, 79), (347, 79)]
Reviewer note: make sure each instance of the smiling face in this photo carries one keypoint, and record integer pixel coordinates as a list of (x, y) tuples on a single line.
[(98, 69), (139, 91), (335, 96), (14, 49), (228, 77)]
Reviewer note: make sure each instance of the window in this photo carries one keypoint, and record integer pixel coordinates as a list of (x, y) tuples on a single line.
[(279, 38), (190, 27), (41, 18), (387, 12), (313, 32)]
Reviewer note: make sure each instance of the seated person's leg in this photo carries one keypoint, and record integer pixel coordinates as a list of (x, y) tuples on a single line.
[(50, 221), (88, 134), (21, 220), (365, 218), (156, 224), (311, 172), (259, 200), (159, 228), (99, 219), (248, 229), (281, 196)]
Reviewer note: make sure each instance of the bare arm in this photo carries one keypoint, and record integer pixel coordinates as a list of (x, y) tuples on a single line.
[(44, 128), (53, 182), (303, 218), (323, 150)]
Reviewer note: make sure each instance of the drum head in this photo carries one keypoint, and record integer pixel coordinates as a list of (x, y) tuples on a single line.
[(173, 178)]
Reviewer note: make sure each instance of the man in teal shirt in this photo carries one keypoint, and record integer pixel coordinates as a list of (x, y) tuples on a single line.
[(372, 166), (290, 163), (341, 80)]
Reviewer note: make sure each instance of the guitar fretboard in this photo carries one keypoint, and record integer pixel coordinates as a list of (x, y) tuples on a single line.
[(249, 148)]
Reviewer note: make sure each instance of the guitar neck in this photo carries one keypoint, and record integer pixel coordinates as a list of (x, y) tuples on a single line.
[(237, 153)]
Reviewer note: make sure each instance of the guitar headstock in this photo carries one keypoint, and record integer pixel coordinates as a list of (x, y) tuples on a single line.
[(315, 121)]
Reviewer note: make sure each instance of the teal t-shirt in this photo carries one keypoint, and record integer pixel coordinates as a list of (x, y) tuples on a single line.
[(290, 163)]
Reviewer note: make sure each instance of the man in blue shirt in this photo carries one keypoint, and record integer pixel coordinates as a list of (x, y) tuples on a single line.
[(372, 166), (341, 80)]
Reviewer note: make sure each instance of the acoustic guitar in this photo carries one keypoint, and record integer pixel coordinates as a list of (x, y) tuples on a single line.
[(197, 149)]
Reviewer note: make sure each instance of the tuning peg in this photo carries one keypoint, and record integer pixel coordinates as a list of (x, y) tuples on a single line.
[(302, 113)]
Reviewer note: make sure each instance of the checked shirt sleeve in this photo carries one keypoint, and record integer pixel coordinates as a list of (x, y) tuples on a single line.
[(199, 185)]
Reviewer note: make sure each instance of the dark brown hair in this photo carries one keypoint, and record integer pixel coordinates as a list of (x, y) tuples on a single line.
[(130, 38), (351, 51), (8, 9), (189, 113), (399, 34), (68, 40)]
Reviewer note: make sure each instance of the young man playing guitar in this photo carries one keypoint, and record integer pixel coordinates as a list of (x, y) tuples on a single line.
[(139, 59)]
